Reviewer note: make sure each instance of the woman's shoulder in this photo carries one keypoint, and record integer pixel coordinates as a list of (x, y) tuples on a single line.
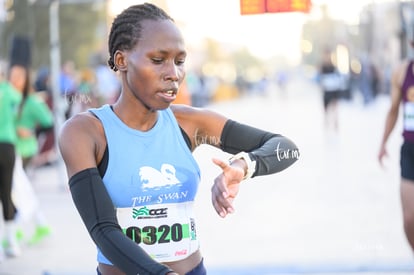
[(190, 113), (400, 71), (83, 122), (179, 109), (198, 119), (402, 66)]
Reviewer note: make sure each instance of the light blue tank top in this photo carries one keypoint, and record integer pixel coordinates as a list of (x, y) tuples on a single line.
[(147, 168)]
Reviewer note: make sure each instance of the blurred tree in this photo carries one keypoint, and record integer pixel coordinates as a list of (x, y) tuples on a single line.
[(244, 61), (80, 30), (238, 57)]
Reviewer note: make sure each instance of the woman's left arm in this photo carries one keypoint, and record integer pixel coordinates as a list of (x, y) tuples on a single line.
[(257, 152), (269, 152)]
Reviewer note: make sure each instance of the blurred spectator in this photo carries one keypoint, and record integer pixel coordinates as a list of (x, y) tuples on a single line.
[(368, 80), (108, 84), (68, 85), (67, 78), (332, 84), (86, 96), (45, 137), (197, 88), (262, 86), (33, 113), (282, 78), (9, 102), (242, 84), (42, 85)]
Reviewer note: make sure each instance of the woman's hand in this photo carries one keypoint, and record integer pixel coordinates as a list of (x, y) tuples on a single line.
[(226, 185), (382, 154)]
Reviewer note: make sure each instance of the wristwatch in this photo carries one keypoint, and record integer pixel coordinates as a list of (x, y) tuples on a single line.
[(251, 164)]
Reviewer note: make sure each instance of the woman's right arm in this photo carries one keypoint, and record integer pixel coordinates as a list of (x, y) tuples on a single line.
[(80, 145), (392, 114)]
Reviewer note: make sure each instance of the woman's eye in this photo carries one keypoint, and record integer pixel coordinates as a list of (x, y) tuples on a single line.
[(180, 62), (157, 60)]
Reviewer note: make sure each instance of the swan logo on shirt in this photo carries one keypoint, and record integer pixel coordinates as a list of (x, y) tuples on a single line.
[(152, 178)]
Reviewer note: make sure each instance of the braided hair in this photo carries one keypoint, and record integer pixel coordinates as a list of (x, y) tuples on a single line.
[(126, 28)]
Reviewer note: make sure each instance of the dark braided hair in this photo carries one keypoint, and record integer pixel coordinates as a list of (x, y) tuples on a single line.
[(126, 28)]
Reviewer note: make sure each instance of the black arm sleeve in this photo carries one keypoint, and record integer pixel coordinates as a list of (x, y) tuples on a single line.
[(272, 152), (99, 216)]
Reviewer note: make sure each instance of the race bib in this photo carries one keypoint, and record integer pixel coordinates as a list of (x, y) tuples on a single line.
[(409, 116), (167, 232)]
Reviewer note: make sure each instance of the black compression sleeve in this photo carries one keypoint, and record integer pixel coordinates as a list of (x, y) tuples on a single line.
[(272, 152), (99, 216)]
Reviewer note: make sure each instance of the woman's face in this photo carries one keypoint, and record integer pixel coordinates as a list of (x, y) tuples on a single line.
[(18, 77), (154, 68)]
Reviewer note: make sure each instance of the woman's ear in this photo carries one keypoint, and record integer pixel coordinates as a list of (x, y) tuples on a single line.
[(120, 61)]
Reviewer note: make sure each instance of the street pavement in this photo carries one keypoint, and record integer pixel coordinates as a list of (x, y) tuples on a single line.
[(335, 211)]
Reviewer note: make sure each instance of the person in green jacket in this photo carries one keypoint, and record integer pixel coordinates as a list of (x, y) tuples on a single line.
[(33, 113), (9, 103)]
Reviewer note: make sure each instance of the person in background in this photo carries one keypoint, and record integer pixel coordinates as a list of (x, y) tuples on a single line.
[(32, 113), (9, 102), (107, 83), (368, 80), (68, 85), (45, 136), (132, 175), (331, 84), (87, 96), (402, 93)]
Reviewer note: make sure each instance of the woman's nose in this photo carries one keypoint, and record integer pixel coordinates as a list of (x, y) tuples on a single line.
[(173, 73)]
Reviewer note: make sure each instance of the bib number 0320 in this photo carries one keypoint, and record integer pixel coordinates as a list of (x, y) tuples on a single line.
[(152, 235)]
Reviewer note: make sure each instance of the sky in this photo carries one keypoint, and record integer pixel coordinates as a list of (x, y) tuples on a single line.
[(265, 35)]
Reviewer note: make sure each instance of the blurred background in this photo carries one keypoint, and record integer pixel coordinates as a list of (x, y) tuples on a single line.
[(334, 212), (232, 51)]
